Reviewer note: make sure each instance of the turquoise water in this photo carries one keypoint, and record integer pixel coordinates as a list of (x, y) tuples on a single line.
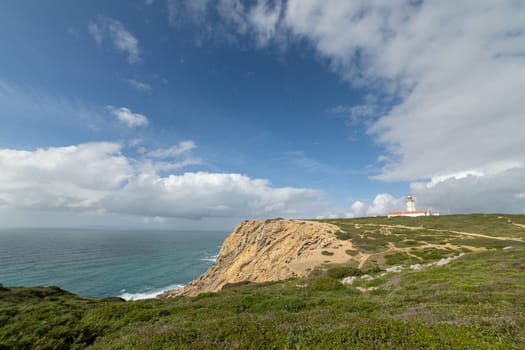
[(132, 264)]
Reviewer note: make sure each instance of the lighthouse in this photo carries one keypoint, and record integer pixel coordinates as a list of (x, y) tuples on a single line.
[(411, 205), (411, 210)]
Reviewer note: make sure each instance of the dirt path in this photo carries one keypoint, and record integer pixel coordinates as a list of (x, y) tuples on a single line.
[(481, 235), (365, 257), (519, 225), (363, 260), (472, 234), (397, 226), (436, 246), (386, 230)]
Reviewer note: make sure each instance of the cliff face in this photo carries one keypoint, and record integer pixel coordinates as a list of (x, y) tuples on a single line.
[(271, 250)]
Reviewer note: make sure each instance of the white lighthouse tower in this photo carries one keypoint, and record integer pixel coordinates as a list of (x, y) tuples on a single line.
[(410, 211), (411, 205)]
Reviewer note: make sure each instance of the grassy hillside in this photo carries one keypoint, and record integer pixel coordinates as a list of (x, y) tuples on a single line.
[(475, 301), (385, 242)]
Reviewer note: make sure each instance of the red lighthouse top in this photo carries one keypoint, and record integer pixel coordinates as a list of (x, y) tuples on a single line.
[(409, 198)]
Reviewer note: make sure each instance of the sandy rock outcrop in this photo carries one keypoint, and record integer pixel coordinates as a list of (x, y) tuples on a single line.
[(271, 250)]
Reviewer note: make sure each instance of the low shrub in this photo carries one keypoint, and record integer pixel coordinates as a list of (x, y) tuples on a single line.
[(397, 259), (325, 284), (352, 252), (339, 272)]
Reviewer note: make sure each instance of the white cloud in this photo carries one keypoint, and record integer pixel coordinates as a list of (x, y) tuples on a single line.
[(234, 13), (182, 149), (457, 69), (485, 193), (96, 32), (265, 19), (174, 151), (120, 37), (135, 142), (457, 176), (358, 113), (449, 77), (177, 165), (381, 205), (74, 177), (261, 18), (138, 85), (98, 178), (199, 195), (127, 117), (467, 192)]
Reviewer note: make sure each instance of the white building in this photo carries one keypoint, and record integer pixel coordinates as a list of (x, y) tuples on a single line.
[(411, 210)]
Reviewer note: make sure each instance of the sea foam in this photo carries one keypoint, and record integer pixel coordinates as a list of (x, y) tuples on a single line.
[(151, 294), (212, 258)]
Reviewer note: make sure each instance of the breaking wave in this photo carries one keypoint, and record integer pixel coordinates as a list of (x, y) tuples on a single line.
[(151, 294)]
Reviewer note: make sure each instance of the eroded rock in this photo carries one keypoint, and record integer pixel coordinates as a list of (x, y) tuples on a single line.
[(271, 250)]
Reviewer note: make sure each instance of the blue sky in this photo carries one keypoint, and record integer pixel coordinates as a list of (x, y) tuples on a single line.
[(197, 114)]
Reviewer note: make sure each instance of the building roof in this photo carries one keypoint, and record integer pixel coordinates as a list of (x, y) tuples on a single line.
[(408, 212)]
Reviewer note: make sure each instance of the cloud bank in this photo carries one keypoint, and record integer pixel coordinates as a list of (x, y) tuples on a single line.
[(99, 178)]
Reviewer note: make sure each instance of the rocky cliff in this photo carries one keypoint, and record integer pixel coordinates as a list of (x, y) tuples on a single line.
[(271, 250)]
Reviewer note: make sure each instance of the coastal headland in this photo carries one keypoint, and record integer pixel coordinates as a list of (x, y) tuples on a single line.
[(406, 283), (277, 249)]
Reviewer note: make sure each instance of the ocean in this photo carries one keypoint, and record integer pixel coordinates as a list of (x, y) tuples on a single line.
[(132, 264)]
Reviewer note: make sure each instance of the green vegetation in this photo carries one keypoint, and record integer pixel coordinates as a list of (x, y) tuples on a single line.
[(489, 224), (352, 252), (399, 259), (339, 272), (433, 254), (475, 302), (403, 240)]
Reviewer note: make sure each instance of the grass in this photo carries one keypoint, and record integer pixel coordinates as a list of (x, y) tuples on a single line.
[(489, 224), (399, 259), (474, 302), (477, 301), (432, 254), (387, 240), (339, 272)]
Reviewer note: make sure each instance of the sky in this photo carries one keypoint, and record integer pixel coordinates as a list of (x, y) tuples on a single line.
[(199, 114)]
